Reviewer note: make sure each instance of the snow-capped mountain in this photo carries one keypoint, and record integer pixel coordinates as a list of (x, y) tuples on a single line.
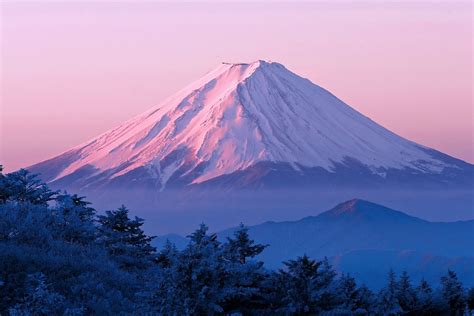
[(250, 125)]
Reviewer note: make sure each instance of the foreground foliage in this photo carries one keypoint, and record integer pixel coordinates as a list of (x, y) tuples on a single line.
[(58, 257)]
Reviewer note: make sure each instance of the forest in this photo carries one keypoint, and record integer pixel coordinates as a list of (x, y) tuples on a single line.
[(59, 256)]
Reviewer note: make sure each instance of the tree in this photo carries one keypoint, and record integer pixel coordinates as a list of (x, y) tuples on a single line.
[(41, 300), (425, 304), (453, 293), (244, 276), (306, 286), (75, 219), (470, 300), (406, 295), (167, 256), (241, 247), (195, 284), (388, 303), (347, 293), (365, 301), (22, 186), (125, 240)]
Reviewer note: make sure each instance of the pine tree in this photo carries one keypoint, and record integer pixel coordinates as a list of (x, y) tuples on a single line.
[(41, 300), (242, 247), (453, 293), (125, 240), (388, 303), (307, 286), (167, 256), (244, 276), (470, 300), (75, 219), (200, 277), (365, 301), (347, 293), (299, 281), (22, 186), (406, 295), (425, 304), (325, 291)]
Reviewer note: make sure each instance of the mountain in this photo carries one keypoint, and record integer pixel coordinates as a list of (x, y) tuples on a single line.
[(251, 126), (366, 240), (232, 123), (362, 225)]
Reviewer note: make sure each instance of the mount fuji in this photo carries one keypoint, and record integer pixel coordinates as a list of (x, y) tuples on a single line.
[(251, 126)]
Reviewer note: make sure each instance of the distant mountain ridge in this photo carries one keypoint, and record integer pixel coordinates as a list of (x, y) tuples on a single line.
[(357, 231), (362, 225)]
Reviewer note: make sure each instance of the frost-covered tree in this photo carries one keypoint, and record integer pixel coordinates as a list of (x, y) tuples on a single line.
[(352, 299), (167, 256), (424, 293), (125, 240), (470, 300), (195, 284), (453, 293), (365, 301), (41, 300), (325, 293), (244, 275), (22, 186), (346, 293), (75, 219), (240, 247), (306, 286), (388, 303), (406, 295), (298, 281)]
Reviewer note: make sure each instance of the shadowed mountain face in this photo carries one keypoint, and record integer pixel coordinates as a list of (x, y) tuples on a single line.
[(256, 127), (368, 239), (362, 225)]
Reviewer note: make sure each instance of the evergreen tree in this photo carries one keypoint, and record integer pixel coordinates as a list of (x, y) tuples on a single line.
[(125, 240), (167, 256), (299, 281), (388, 303), (244, 276), (453, 293), (470, 300), (196, 284), (241, 246), (425, 304), (22, 186), (40, 300), (347, 293), (325, 292), (306, 286), (75, 219), (365, 301), (406, 295)]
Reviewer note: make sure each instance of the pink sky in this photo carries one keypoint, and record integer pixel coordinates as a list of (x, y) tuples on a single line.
[(70, 71)]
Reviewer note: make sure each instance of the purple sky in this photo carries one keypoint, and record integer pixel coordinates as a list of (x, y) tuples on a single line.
[(70, 71)]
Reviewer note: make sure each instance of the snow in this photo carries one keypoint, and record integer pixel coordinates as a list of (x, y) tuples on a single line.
[(241, 114)]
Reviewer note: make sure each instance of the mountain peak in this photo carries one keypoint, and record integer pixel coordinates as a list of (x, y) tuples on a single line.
[(353, 205), (358, 208), (258, 62)]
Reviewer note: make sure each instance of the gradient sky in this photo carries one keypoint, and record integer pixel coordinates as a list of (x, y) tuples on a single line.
[(72, 70)]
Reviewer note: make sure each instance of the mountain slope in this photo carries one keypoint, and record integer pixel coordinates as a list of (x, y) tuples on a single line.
[(245, 125)]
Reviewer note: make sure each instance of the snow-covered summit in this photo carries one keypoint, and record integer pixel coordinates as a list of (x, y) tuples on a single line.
[(236, 116)]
